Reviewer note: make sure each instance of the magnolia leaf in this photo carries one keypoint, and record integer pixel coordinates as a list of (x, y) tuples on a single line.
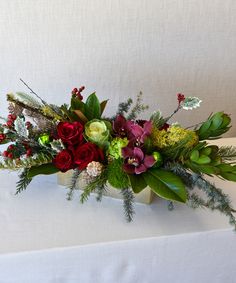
[(190, 103), (137, 183), (92, 107), (45, 169), (21, 128), (166, 185)]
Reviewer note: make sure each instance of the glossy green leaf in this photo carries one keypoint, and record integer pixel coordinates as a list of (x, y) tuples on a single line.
[(166, 184), (92, 107), (137, 183), (230, 176), (45, 169), (76, 104), (203, 159), (194, 155)]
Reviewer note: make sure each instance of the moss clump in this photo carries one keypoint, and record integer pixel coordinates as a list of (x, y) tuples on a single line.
[(116, 176)]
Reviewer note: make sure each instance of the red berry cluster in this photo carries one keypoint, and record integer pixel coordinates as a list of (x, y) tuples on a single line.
[(13, 151), (77, 92), (10, 120), (2, 138), (10, 152), (180, 97)]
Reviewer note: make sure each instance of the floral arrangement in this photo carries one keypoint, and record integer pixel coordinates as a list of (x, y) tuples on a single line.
[(123, 151)]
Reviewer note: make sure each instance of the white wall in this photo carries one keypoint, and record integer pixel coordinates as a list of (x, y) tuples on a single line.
[(119, 47)]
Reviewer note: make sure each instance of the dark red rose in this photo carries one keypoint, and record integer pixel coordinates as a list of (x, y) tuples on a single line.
[(87, 153), (63, 161), (70, 133)]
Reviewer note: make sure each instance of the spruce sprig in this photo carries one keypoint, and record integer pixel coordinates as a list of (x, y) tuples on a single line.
[(72, 185), (128, 204), (23, 181), (124, 107), (215, 198), (137, 108), (98, 184), (100, 191)]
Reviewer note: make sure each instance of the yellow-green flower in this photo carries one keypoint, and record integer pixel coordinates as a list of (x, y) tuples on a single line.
[(172, 136), (116, 145), (97, 131)]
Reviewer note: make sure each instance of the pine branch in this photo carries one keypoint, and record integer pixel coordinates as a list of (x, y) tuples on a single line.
[(216, 199), (138, 108), (98, 184), (124, 107), (73, 182), (100, 192), (128, 203), (87, 191), (23, 182)]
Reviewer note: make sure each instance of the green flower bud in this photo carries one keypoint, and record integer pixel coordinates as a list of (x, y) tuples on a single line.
[(159, 160), (44, 139)]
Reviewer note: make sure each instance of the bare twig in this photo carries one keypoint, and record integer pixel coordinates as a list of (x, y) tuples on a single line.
[(44, 102)]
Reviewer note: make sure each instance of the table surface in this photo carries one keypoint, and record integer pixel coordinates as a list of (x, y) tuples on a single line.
[(41, 217)]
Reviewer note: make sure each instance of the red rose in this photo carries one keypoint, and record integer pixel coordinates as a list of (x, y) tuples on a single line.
[(63, 161), (70, 133), (87, 153)]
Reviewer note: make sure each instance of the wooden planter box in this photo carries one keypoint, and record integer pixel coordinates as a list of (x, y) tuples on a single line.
[(145, 196)]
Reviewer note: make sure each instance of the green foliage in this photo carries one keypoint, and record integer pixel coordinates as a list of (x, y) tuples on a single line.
[(137, 108), (116, 175), (72, 185), (166, 184), (137, 183), (227, 171), (92, 107), (35, 160), (44, 169), (76, 103), (213, 198), (23, 182), (208, 160), (98, 184), (124, 107), (214, 127), (128, 204), (157, 120)]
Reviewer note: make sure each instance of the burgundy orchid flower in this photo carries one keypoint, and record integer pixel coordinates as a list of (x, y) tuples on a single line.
[(136, 162), (137, 134), (120, 126)]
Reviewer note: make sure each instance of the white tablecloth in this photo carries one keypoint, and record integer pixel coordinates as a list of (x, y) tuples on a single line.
[(45, 238)]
